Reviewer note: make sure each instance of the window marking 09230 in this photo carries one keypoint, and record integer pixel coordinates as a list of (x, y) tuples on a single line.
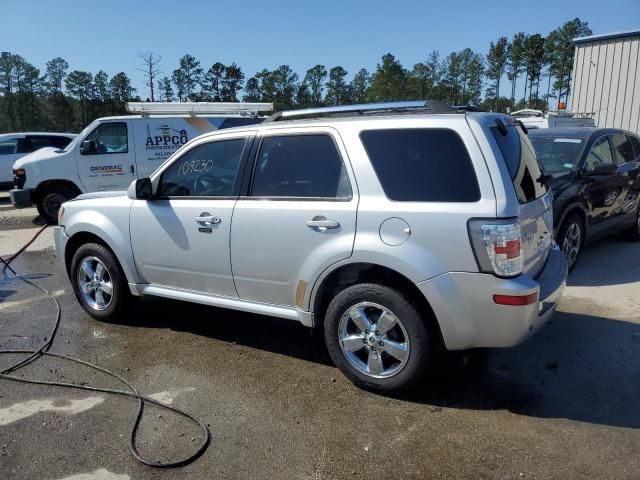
[(195, 166)]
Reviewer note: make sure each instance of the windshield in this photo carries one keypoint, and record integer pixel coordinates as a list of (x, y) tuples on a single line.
[(557, 154)]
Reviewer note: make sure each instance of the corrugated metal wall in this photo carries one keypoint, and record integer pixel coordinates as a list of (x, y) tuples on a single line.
[(606, 82)]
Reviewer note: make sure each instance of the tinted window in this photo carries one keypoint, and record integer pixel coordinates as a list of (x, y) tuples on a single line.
[(557, 154), (522, 163), (31, 144), (8, 147), (422, 165), (622, 148), (600, 153), (304, 166), (59, 142), (636, 146), (110, 138), (208, 170)]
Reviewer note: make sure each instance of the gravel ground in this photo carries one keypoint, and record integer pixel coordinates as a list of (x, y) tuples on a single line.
[(562, 405)]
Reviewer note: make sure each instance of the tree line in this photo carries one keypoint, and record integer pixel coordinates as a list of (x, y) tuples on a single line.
[(61, 100)]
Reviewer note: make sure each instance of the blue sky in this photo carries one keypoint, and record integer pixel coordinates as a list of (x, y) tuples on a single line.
[(109, 34)]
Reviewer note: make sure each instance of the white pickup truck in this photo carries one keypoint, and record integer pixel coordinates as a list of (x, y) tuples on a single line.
[(113, 151)]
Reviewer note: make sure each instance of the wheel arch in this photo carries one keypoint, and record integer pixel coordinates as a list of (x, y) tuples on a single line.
[(82, 237), (350, 274), (44, 185)]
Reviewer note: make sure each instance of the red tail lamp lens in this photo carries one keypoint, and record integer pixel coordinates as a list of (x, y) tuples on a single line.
[(515, 300)]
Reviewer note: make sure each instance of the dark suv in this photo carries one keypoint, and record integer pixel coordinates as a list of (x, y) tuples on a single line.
[(594, 175)]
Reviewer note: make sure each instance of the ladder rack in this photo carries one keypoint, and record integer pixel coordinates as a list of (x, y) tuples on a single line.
[(228, 109)]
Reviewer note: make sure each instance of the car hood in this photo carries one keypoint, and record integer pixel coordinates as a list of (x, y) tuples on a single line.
[(560, 181), (43, 153), (107, 194)]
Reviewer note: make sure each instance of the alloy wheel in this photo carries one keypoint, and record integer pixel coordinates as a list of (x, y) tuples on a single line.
[(373, 340), (94, 283), (572, 242)]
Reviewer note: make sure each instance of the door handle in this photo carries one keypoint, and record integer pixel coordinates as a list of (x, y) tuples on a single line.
[(210, 219), (322, 223)]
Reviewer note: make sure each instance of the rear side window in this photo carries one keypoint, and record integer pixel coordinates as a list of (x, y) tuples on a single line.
[(422, 165), (522, 163), (300, 166)]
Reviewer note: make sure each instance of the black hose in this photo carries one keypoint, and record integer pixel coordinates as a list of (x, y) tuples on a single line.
[(43, 350)]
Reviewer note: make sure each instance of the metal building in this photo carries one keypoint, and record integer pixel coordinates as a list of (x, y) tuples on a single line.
[(606, 81)]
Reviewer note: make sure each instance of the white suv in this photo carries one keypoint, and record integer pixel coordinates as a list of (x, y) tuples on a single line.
[(397, 228)]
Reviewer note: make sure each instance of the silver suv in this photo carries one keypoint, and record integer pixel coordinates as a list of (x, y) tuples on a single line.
[(399, 229)]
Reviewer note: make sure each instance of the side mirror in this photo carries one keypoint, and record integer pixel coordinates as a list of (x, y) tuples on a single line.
[(603, 169), (88, 147), (140, 189)]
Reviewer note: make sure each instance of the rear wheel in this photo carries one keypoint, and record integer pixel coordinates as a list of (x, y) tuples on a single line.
[(377, 338), (634, 232), (571, 238), (50, 201), (98, 282)]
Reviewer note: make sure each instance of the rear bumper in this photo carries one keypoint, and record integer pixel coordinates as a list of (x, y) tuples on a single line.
[(468, 317), (21, 197)]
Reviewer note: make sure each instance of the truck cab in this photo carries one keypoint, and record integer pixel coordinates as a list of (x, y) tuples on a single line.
[(112, 151)]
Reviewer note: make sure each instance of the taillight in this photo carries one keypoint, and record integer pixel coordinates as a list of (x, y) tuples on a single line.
[(497, 245)]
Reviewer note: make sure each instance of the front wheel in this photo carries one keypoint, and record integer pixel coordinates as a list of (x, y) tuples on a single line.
[(50, 201), (98, 282), (377, 338)]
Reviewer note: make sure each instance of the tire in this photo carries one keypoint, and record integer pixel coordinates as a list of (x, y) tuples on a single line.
[(50, 200), (387, 373), (571, 239), (633, 233), (92, 291)]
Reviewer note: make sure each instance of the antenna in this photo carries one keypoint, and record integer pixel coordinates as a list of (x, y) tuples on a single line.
[(227, 109)]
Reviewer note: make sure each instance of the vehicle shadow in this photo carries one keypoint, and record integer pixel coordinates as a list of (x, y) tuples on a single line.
[(579, 367), (271, 334), (610, 261)]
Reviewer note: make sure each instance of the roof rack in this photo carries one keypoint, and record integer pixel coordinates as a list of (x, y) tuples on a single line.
[(430, 106), (239, 109)]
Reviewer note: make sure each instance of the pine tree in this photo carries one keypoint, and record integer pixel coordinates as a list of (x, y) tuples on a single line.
[(337, 87)]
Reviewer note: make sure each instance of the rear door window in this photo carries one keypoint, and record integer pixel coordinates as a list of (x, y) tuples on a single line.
[(622, 148), (300, 166), (422, 165), (522, 163)]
